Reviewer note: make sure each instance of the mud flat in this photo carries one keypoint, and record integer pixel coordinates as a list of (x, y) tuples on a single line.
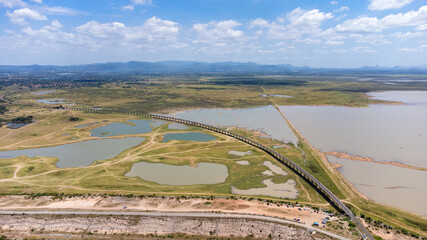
[(237, 153), (204, 173)]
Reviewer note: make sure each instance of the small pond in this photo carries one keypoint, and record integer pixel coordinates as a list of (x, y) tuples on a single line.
[(188, 136), (281, 190), (244, 162), (274, 168), (43, 92), (276, 95), (79, 154), (132, 127), (16, 125), (54, 101), (237, 153), (166, 174)]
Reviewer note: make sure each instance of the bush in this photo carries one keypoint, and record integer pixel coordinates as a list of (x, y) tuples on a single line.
[(3, 109), (74, 119), (22, 119)]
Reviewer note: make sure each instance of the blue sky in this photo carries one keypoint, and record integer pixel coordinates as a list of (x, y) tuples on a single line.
[(302, 33)]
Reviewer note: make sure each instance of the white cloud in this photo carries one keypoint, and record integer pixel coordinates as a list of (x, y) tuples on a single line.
[(129, 7), (13, 3), (60, 11), (373, 24), (305, 22), (373, 39), (102, 30), (37, 1), (405, 36), (308, 41), (310, 18), (19, 16), (217, 31), (342, 9), (421, 48), (387, 4), (300, 22), (421, 27), (334, 43), (49, 36), (411, 18), (333, 2), (408, 49), (259, 22), (142, 2), (274, 30), (154, 35), (116, 32), (360, 25), (363, 50)]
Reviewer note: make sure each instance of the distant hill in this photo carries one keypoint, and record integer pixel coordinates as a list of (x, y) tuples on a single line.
[(200, 68)]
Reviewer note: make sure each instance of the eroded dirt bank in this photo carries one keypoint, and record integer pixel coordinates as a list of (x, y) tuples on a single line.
[(159, 204), (106, 226)]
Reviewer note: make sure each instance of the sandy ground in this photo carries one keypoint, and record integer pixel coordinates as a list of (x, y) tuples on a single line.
[(158, 204)]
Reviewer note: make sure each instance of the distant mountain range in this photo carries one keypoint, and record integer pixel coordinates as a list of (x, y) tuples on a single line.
[(201, 68)]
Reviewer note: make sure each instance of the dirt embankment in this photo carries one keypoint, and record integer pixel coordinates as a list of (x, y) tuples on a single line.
[(113, 227), (158, 204)]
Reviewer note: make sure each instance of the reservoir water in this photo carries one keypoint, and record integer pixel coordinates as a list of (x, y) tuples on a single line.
[(204, 173), (119, 128), (79, 154), (265, 119), (391, 133), (396, 186)]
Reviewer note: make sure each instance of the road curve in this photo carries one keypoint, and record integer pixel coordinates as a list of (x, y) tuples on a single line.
[(322, 189), (176, 214)]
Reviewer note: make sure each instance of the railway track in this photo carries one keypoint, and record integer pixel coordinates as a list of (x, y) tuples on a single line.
[(322, 189)]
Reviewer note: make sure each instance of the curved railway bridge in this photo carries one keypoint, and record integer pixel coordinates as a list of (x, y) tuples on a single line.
[(329, 196)]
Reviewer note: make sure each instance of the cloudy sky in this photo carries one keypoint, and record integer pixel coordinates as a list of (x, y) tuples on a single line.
[(315, 33)]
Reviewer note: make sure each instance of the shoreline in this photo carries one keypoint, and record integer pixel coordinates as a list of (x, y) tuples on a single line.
[(345, 155), (173, 111)]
